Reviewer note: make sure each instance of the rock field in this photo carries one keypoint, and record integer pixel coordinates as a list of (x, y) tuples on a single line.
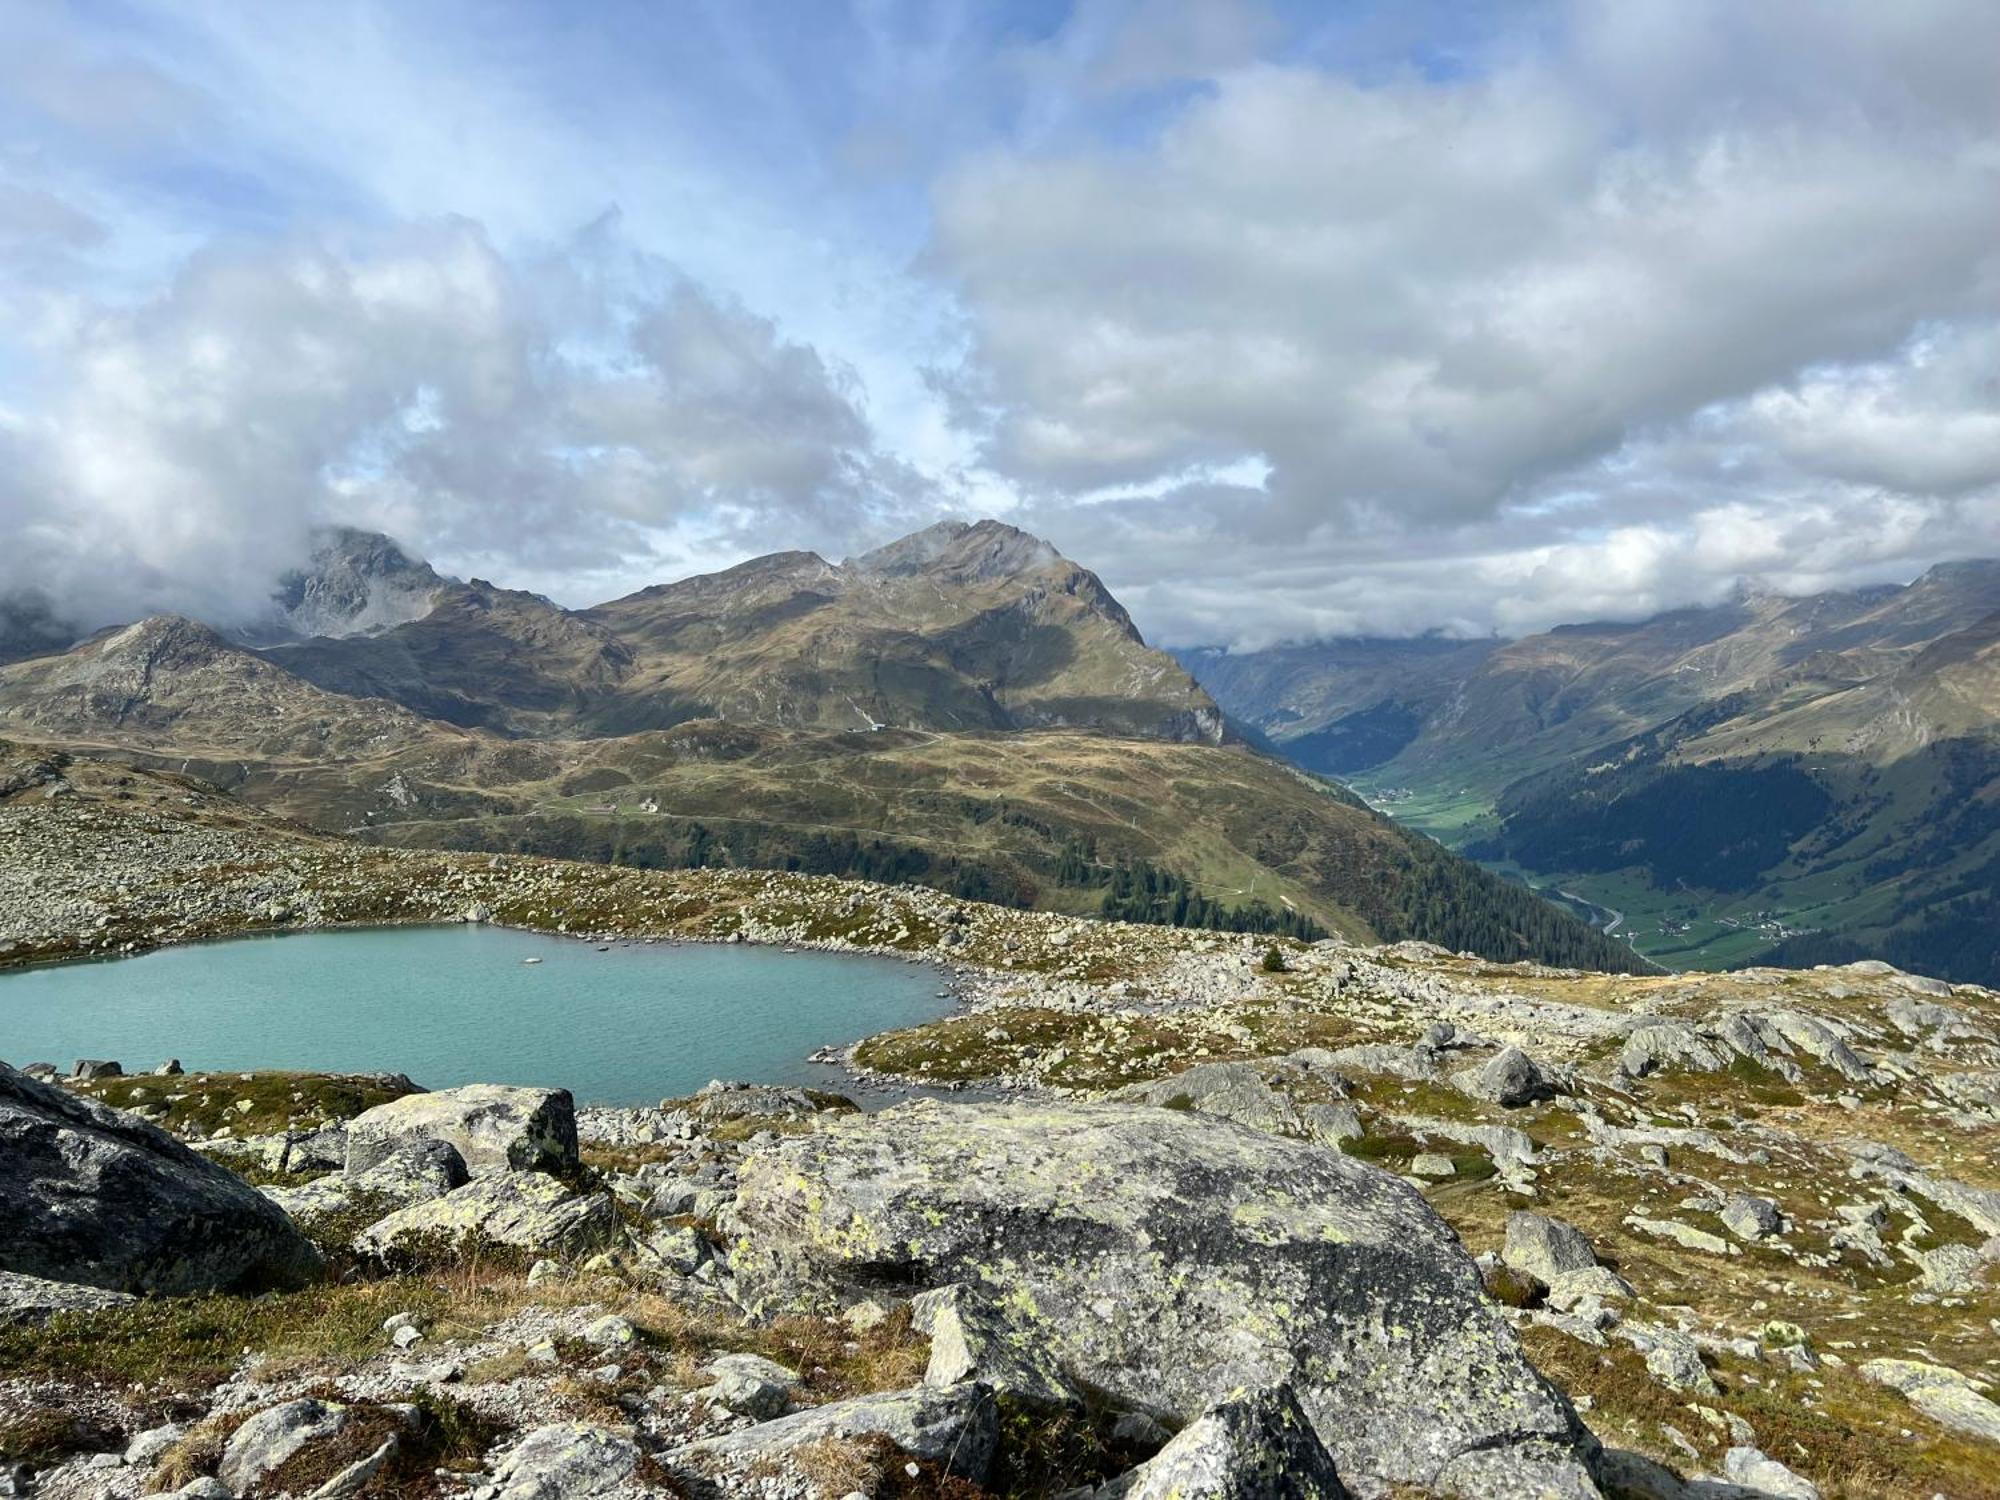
[(1179, 1219)]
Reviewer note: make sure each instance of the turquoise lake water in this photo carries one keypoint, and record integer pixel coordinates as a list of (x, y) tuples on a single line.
[(451, 1005)]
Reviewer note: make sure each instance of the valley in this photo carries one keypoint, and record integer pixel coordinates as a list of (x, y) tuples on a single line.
[(1777, 779)]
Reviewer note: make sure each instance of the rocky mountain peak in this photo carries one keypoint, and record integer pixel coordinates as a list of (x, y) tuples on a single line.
[(356, 583), (963, 551)]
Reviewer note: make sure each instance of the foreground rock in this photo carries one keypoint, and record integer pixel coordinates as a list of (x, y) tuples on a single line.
[(101, 1198), (1255, 1447), (522, 1210), (490, 1125), (415, 1172), (567, 1461), (957, 1428), (1172, 1259), (30, 1299)]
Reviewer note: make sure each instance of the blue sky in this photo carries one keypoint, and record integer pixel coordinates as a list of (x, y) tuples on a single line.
[(1273, 314)]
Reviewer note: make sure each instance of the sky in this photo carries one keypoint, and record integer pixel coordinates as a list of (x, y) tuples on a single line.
[(1290, 320)]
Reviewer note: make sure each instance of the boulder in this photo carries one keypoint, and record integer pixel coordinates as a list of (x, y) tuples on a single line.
[(491, 1125), (750, 1385), (1569, 1290), (1259, 1446), (273, 1436), (89, 1069), (1749, 1217), (528, 1210), (972, 1340), (1662, 1044), (1234, 1090), (1545, 1248), (101, 1198), (1940, 1393), (1763, 1476), (414, 1172), (958, 1428), (1510, 1079), (1170, 1259), (30, 1299), (567, 1461)]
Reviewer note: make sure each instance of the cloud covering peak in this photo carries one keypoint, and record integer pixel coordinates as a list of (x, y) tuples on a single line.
[(1288, 322)]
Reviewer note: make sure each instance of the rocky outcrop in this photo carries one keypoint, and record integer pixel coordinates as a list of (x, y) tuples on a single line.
[(956, 1428), (415, 1172), (1260, 1446), (102, 1198), (567, 1461), (491, 1126), (524, 1210), (1170, 1259), (30, 1299)]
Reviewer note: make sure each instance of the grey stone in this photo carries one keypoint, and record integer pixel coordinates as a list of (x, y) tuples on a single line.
[(958, 1428), (1663, 1044), (1940, 1393), (1569, 1290), (1169, 1259), (88, 1069), (491, 1125), (31, 1299), (1234, 1090), (567, 1461), (104, 1199), (273, 1436), (1432, 1164), (415, 1171), (750, 1393), (1763, 1475), (528, 1210), (145, 1448), (972, 1340), (1545, 1248), (1510, 1079), (1749, 1217), (1259, 1446)]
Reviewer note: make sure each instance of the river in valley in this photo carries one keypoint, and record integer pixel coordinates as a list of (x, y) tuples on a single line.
[(462, 1004)]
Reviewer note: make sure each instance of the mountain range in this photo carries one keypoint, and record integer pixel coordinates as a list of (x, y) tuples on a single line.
[(1790, 779), (965, 708)]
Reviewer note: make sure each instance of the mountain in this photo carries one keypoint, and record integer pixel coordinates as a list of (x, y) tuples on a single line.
[(1788, 777), (964, 708), (355, 583)]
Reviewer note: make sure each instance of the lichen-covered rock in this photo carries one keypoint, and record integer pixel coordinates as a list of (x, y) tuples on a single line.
[(1510, 1079), (414, 1172), (101, 1198), (1171, 1259), (567, 1461), (958, 1428), (1545, 1248), (491, 1125), (1259, 1446), (1749, 1217), (271, 1437), (1234, 1090), (1662, 1044), (971, 1339), (528, 1210), (32, 1299), (1940, 1393)]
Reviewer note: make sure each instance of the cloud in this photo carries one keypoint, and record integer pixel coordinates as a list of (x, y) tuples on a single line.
[(527, 419), (1677, 236)]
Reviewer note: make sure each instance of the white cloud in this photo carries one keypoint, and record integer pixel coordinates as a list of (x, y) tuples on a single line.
[(527, 420)]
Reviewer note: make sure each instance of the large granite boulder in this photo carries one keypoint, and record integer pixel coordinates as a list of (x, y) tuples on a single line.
[(491, 1125), (524, 1210), (1172, 1259), (91, 1195), (1258, 1446), (415, 1172)]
